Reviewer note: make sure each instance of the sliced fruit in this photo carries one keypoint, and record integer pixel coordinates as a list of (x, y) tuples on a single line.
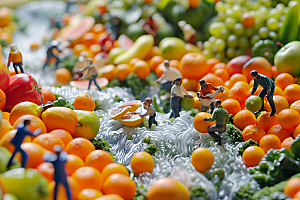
[(102, 82), (131, 119), (134, 104), (84, 26), (116, 113), (125, 42)]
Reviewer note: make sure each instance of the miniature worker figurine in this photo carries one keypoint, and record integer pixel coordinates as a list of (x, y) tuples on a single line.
[(189, 33), (53, 45), (150, 111), (178, 92), (91, 71), (220, 115), (15, 57), (170, 73), (22, 132), (206, 88), (81, 62), (58, 160), (268, 89)]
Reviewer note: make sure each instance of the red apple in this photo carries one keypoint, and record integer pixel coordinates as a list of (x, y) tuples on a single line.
[(235, 65), (4, 76)]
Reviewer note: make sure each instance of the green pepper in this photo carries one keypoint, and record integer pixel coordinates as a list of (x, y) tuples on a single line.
[(289, 30), (265, 48)]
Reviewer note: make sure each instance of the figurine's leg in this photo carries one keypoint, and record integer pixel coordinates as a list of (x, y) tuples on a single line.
[(203, 108), (47, 61), (262, 94), (212, 106), (21, 68), (57, 60), (171, 114), (11, 158), (271, 102), (56, 190), (90, 82), (212, 132), (175, 111), (151, 119), (24, 157), (15, 67), (65, 183), (95, 82), (154, 120)]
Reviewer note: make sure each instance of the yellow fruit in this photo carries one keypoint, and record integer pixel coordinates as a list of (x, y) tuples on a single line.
[(202, 159)]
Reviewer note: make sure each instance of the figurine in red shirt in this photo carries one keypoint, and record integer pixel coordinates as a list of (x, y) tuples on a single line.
[(15, 57)]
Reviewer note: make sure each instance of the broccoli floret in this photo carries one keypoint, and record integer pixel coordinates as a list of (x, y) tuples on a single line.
[(151, 78), (101, 144), (247, 144), (69, 63), (147, 140), (136, 84), (244, 193), (117, 99), (151, 149), (3, 43), (139, 195), (234, 133), (194, 112), (198, 191), (231, 116), (99, 105), (114, 82)]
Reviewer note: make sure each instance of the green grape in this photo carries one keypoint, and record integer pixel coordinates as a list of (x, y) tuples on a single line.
[(243, 43), (232, 41), (258, 24), (250, 31), (236, 9), (219, 6), (273, 35), (207, 45), (280, 7), (225, 33), (240, 52), (220, 55), (274, 13), (255, 38), (267, 3), (253, 5), (220, 45), (215, 28), (229, 13), (230, 22), (238, 29), (263, 32), (227, 6), (207, 54), (272, 24), (221, 16), (229, 1), (230, 52), (286, 10), (280, 24), (281, 18), (212, 39)]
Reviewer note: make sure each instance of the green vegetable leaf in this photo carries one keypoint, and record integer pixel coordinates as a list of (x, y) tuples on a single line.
[(151, 149), (101, 144), (247, 144), (234, 133), (198, 191)]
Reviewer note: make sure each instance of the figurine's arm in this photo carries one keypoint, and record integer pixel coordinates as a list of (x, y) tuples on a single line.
[(56, 47), (213, 117), (21, 58), (255, 85)]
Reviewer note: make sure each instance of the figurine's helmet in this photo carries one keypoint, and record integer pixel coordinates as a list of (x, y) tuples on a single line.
[(14, 47), (57, 148), (89, 60)]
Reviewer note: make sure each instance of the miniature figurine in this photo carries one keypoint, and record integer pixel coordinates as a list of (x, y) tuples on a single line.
[(205, 96), (170, 73), (268, 89), (150, 27), (104, 39), (91, 71), (58, 160), (178, 92), (150, 111), (113, 24), (81, 62), (15, 57), (53, 45), (189, 33), (220, 115), (22, 132), (56, 22)]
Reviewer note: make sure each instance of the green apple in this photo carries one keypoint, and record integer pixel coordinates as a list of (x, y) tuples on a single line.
[(88, 124), (25, 184), (9, 196), (5, 155), (287, 59)]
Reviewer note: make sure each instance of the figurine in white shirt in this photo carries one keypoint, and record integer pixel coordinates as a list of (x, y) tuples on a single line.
[(150, 111), (177, 93), (189, 33)]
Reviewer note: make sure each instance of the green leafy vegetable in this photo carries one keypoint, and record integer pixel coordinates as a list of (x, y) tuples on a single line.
[(69, 63), (198, 191), (247, 144), (194, 112), (114, 82), (117, 99), (99, 105), (234, 133), (151, 149), (244, 193), (147, 140), (139, 195), (101, 144), (166, 105)]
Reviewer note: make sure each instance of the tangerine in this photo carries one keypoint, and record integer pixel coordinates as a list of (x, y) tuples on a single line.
[(35, 154), (287, 143), (61, 193), (253, 132), (80, 147), (142, 162), (73, 163), (244, 118), (232, 106), (193, 66), (48, 95), (122, 71), (98, 159), (280, 132), (269, 142), (35, 123), (266, 121), (63, 75), (5, 140), (47, 170), (288, 118), (84, 102), (252, 156), (89, 194), (202, 159), (292, 93), (5, 127), (88, 177), (114, 168), (108, 71), (142, 69), (283, 80), (155, 61), (296, 106), (48, 141), (64, 135), (292, 187), (201, 125)]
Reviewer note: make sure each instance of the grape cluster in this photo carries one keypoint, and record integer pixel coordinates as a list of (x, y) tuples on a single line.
[(241, 24)]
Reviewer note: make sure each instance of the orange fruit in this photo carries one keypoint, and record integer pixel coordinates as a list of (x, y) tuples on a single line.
[(88, 177), (224, 95), (155, 61), (110, 197), (78, 48), (142, 162), (108, 71), (73, 163), (269, 142), (120, 184), (252, 156), (64, 135), (190, 84), (84, 102), (89, 39), (194, 3), (297, 196), (280, 132), (89, 194), (142, 69), (218, 66), (287, 143), (62, 194), (80, 147), (155, 51), (238, 93), (114, 168), (201, 125), (259, 88), (235, 78), (274, 71), (24, 108), (160, 70), (288, 118), (35, 154), (292, 187), (48, 95), (193, 66), (283, 80), (278, 91), (5, 16), (122, 71), (168, 188), (222, 73), (35, 123), (296, 131), (5, 127), (202, 159), (296, 106), (260, 64), (5, 140), (292, 93), (98, 159), (98, 29), (94, 49), (232, 106), (248, 20), (213, 79), (244, 118), (133, 61), (175, 64), (48, 141), (280, 102), (2, 99), (6, 115), (212, 62), (266, 121), (253, 132), (243, 84), (197, 103), (63, 75), (47, 170), (60, 118)]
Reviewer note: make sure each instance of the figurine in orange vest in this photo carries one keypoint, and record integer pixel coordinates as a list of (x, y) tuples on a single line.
[(15, 57)]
